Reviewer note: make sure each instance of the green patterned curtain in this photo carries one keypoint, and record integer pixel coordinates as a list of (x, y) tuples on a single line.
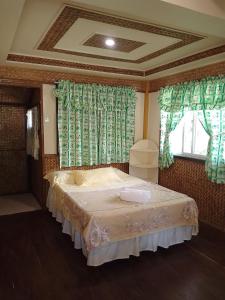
[(169, 121), (95, 123), (207, 96), (213, 122)]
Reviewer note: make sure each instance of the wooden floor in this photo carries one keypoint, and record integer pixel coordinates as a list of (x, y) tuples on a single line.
[(38, 262)]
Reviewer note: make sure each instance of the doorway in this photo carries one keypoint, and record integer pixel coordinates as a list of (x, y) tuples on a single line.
[(18, 172)]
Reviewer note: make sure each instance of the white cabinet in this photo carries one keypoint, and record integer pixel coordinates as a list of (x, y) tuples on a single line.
[(143, 163)]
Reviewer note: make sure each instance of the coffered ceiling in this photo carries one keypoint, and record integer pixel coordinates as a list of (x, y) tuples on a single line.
[(152, 38)]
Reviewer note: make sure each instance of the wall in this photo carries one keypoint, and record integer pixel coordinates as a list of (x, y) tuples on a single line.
[(189, 177), (154, 118), (139, 116), (13, 158), (49, 116)]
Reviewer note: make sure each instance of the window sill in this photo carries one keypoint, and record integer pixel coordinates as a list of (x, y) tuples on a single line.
[(191, 157)]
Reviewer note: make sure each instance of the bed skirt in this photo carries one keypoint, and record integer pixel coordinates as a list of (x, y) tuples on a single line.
[(125, 248)]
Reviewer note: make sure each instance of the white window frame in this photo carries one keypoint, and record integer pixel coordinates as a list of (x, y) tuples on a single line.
[(192, 154)]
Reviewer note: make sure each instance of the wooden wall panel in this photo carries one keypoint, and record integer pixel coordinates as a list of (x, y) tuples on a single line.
[(188, 176), (14, 95), (13, 159)]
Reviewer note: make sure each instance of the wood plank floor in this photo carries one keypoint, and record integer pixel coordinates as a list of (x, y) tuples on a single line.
[(38, 262)]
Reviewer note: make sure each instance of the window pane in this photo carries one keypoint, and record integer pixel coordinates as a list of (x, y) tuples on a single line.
[(201, 139), (188, 128), (176, 138), (189, 137), (29, 119)]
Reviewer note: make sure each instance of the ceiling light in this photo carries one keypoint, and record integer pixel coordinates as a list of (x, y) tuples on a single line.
[(110, 42)]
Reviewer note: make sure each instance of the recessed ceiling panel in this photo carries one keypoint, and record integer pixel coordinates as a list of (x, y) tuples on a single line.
[(119, 44), (70, 15), (74, 41)]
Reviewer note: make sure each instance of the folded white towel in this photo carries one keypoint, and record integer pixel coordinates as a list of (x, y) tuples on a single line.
[(135, 195)]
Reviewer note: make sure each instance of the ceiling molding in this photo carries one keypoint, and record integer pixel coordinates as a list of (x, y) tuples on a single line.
[(35, 77), (68, 64), (73, 65), (70, 15), (187, 59)]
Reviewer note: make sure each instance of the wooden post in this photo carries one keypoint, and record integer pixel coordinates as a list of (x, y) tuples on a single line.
[(146, 111)]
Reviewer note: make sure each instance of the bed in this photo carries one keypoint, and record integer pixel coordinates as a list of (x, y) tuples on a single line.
[(107, 228)]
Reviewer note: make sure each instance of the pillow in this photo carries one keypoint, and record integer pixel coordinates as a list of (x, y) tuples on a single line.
[(96, 177), (60, 177)]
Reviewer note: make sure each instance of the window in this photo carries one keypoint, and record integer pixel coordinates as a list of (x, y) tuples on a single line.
[(32, 132), (29, 119), (189, 138)]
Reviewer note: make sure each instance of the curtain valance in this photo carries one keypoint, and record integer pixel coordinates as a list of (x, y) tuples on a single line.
[(208, 93), (95, 96)]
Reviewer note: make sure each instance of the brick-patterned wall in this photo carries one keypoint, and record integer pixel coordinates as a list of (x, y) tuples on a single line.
[(13, 172), (51, 163), (12, 130), (13, 159), (188, 176)]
